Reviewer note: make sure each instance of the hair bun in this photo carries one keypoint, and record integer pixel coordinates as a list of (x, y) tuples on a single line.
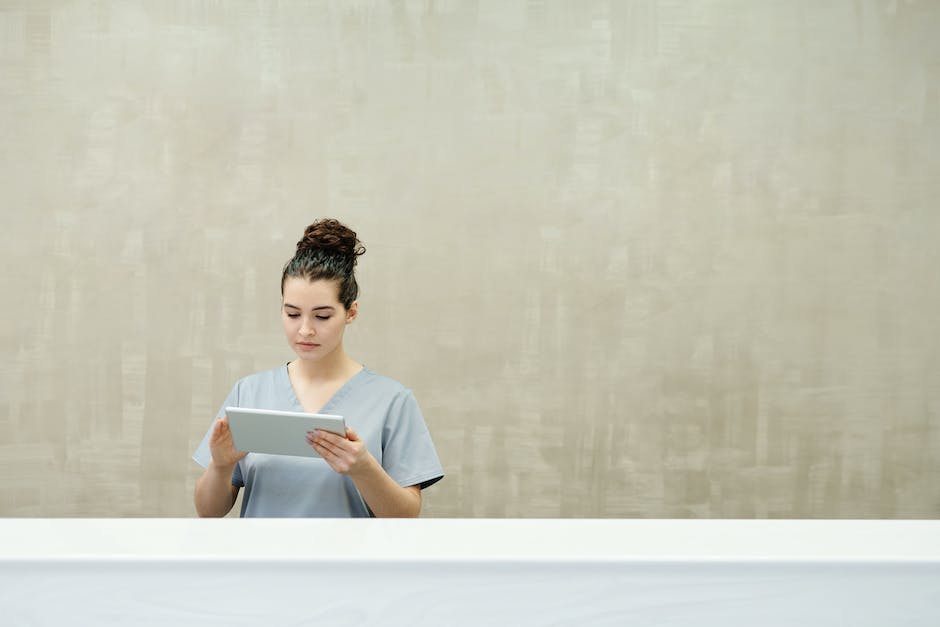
[(332, 237)]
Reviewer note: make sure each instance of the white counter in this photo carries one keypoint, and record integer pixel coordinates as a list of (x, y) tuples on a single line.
[(468, 572)]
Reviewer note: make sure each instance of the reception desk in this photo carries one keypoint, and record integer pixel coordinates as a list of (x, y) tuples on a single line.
[(468, 572)]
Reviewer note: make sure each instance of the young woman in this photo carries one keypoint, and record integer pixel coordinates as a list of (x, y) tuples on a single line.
[(387, 456)]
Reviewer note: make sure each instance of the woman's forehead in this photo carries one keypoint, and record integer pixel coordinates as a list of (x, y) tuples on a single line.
[(304, 293)]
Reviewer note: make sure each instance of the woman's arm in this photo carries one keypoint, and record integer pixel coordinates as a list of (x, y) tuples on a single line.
[(349, 456), (214, 494)]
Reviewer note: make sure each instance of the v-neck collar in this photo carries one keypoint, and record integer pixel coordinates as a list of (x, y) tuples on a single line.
[(336, 398)]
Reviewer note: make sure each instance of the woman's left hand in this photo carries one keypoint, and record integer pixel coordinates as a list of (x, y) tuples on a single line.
[(344, 455)]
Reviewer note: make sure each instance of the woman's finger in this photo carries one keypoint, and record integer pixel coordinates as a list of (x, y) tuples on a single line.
[(315, 439)]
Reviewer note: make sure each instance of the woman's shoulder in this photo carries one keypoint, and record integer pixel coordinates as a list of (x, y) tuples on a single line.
[(263, 379), (386, 396), (383, 386), (380, 381)]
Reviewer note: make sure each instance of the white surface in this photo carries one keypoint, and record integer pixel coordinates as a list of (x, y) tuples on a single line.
[(469, 572)]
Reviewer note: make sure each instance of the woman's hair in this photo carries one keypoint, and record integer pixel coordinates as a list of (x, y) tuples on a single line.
[(328, 250)]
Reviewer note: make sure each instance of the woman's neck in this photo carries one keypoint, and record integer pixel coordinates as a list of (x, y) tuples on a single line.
[(339, 365)]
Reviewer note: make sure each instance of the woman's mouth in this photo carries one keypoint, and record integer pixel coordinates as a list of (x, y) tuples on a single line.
[(307, 345)]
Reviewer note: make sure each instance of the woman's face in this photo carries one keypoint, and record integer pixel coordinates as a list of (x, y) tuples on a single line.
[(314, 319)]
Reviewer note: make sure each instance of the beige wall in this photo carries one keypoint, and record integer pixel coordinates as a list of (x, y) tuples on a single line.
[(648, 258)]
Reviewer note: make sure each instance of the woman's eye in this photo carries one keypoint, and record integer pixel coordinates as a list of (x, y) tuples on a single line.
[(293, 315), (323, 317)]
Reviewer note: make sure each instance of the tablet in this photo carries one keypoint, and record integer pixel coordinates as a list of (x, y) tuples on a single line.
[(279, 432)]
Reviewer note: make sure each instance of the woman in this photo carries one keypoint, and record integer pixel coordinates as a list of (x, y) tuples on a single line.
[(387, 456)]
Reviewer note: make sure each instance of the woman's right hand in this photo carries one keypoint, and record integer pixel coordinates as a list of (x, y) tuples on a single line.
[(221, 445)]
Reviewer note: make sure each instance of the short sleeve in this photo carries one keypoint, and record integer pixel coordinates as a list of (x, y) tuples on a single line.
[(203, 454), (408, 454)]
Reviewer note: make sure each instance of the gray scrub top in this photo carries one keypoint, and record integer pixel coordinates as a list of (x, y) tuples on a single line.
[(382, 412)]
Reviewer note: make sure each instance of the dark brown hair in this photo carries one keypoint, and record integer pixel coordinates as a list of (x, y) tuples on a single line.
[(328, 250)]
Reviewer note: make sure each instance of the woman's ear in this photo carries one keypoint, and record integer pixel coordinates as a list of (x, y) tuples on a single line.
[(352, 312)]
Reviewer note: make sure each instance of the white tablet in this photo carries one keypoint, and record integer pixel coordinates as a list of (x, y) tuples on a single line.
[(279, 432)]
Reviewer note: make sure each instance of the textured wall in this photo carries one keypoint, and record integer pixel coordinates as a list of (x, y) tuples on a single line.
[(651, 258)]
